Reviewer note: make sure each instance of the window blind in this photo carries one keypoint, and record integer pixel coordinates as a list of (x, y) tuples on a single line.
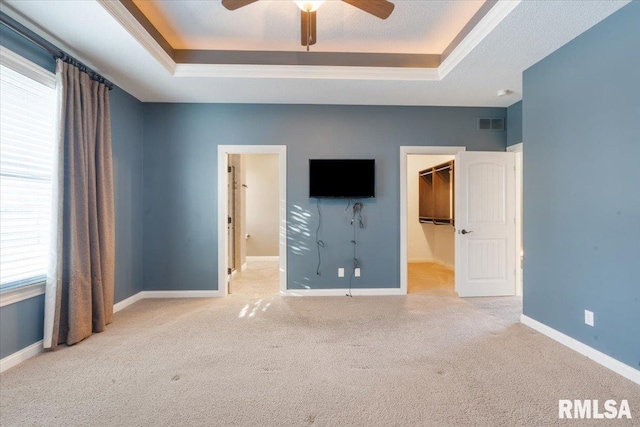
[(27, 135)]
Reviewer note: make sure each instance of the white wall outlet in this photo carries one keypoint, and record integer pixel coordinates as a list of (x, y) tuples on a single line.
[(588, 317), (340, 272), (356, 272)]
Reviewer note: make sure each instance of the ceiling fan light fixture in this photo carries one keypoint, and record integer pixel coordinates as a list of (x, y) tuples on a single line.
[(309, 6)]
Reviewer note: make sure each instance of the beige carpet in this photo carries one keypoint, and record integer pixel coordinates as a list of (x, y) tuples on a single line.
[(419, 360)]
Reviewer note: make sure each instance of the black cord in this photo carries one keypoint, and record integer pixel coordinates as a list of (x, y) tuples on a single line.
[(348, 204), (319, 243), (357, 208)]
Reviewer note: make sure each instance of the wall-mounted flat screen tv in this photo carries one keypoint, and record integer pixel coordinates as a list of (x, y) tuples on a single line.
[(345, 178)]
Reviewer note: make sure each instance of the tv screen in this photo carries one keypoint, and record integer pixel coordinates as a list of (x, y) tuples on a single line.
[(344, 178)]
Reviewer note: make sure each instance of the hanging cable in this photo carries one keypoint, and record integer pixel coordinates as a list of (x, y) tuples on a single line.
[(357, 210), (319, 243)]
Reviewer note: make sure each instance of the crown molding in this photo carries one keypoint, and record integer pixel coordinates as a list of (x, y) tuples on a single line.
[(133, 27), (486, 25), (305, 72)]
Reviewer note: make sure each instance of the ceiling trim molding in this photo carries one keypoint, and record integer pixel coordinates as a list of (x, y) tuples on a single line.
[(328, 59), (477, 17), (305, 72), (486, 25), (148, 26), (137, 30)]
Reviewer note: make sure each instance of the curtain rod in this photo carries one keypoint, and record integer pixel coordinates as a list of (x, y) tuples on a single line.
[(57, 53)]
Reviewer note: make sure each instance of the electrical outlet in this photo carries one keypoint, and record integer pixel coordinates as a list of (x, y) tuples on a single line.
[(356, 272), (588, 317), (340, 272)]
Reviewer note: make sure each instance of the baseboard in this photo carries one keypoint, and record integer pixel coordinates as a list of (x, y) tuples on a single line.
[(244, 267), (434, 261), (20, 356), (181, 294), (445, 265), (590, 352), (127, 302), (263, 258), (343, 292), (419, 260)]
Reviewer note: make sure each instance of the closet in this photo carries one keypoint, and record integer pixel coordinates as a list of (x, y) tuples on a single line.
[(436, 194)]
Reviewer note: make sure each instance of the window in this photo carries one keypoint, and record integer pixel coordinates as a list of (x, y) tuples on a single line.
[(27, 136)]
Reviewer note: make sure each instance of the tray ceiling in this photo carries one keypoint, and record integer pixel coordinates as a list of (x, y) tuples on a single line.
[(511, 37), (420, 27)]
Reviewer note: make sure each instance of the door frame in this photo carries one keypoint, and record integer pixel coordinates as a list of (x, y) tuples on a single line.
[(519, 149), (406, 150), (231, 199), (223, 244)]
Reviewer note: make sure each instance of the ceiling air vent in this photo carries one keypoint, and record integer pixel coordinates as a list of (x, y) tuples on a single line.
[(488, 123)]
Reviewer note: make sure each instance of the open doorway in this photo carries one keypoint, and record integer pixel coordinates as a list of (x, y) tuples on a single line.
[(258, 239), (426, 248), (484, 204), (252, 222), (430, 224)]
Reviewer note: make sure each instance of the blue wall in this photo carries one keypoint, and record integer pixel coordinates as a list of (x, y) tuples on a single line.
[(21, 324), (180, 195), (127, 144), (581, 198), (514, 124)]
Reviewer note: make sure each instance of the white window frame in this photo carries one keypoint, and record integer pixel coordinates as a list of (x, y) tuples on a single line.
[(33, 71)]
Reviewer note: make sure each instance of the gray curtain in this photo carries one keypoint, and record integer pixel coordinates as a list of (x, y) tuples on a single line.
[(80, 283)]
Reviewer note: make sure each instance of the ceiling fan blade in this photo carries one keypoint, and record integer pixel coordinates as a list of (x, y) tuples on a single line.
[(307, 20), (236, 4), (380, 8)]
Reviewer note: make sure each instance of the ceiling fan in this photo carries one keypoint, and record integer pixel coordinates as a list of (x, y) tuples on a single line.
[(379, 8)]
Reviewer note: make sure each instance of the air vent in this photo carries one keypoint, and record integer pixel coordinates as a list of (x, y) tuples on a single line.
[(488, 123)]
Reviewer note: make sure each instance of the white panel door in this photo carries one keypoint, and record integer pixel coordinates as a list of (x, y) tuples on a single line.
[(485, 224)]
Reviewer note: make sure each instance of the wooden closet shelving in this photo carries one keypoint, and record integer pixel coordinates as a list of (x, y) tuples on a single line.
[(436, 194)]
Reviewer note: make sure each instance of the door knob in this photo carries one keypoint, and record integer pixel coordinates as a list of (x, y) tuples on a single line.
[(465, 231)]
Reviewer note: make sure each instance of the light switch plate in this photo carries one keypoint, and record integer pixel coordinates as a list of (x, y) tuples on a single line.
[(340, 272)]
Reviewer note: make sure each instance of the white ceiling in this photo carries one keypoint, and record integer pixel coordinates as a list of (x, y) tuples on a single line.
[(413, 27), (493, 60)]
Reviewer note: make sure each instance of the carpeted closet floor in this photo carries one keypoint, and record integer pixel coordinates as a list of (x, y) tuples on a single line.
[(254, 359)]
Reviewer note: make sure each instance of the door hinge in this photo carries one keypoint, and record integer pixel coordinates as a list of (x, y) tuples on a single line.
[(228, 168), (228, 271), (229, 220)]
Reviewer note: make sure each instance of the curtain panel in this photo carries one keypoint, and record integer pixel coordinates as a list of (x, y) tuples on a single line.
[(80, 281)]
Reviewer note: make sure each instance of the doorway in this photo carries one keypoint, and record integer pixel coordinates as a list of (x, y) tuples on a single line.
[(405, 152), (484, 187), (252, 219), (430, 234)]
